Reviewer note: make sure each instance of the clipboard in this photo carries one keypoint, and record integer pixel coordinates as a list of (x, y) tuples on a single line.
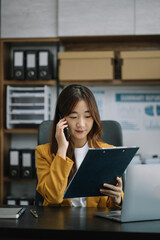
[(99, 166)]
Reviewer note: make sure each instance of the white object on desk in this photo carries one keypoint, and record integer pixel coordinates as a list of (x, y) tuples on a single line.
[(13, 213)]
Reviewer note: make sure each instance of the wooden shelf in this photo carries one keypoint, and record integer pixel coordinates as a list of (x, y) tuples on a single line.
[(28, 83), (105, 39), (21, 131), (7, 179), (25, 40), (84, 82), (115, 82)]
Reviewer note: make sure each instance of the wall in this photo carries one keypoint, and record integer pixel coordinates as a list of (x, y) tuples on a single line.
[(147, 17), (52, 18), (108, 17), (105, 17), (28, 19)]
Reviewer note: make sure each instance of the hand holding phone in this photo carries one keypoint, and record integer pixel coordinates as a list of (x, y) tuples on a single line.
[(66, 130), (62, 137), (66, 133)]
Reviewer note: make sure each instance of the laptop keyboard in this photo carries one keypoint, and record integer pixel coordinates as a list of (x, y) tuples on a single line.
[(115, 215)]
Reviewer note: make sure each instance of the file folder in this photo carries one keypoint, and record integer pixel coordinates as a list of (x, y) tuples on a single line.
[(31, 65), (14, 164), (27, 164), (45, 65), (18, 65)]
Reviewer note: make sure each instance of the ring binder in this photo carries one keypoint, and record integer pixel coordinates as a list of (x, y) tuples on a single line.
[(27, 164), (18, 65), (45, 65), (14, 164), (31, 65)]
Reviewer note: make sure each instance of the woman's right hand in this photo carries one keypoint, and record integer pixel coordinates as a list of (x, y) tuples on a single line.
[(61, 139)]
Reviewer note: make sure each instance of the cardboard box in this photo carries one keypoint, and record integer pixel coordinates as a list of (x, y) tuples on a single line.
[(86, 65), (140, 65)]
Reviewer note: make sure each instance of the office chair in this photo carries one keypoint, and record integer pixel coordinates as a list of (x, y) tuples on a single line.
[(112, 134)]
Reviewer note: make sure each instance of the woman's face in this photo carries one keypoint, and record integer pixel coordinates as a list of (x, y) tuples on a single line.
[(80, 123)]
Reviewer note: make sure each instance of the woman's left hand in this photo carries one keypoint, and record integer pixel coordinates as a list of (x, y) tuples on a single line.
[(114, 192)]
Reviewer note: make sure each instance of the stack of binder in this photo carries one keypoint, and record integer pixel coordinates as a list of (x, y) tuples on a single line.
[(29, 106), (32, 65), (13, 200), (21, 163)]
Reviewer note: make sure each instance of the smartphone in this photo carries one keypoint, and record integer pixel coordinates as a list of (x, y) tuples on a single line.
[(66, 130)]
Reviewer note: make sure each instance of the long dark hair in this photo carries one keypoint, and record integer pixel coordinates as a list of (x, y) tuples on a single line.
[(66, 101)]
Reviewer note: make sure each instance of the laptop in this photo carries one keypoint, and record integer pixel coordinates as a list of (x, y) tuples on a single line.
[(141, 195)]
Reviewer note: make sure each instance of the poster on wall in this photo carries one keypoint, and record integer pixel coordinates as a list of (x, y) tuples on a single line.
[(137, 109), (138, 112)]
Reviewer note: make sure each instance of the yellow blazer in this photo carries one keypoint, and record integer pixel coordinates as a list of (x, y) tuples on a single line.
[(53, 172)]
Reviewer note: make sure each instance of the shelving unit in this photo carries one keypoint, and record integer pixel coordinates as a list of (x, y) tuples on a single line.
[(108, 43), (6, 54)]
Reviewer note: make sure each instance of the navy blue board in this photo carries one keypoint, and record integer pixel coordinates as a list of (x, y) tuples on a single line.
[(99, 166)]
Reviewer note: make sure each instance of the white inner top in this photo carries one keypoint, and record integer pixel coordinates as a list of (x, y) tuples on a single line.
[(80, 154)]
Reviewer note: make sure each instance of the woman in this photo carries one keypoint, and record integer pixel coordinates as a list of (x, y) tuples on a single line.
[(76, 127)]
